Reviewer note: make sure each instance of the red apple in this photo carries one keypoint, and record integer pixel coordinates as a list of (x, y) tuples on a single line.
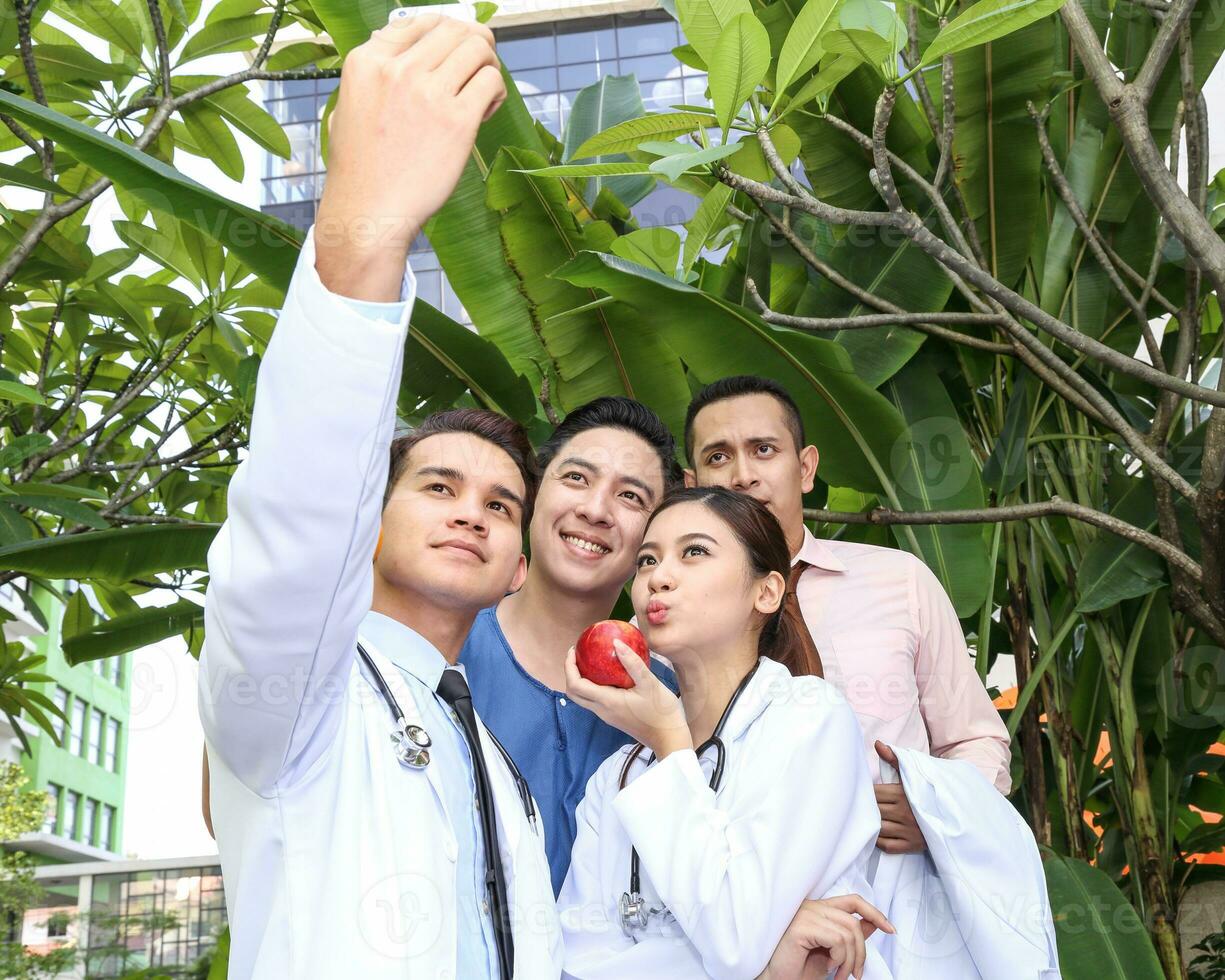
[(597, 657)]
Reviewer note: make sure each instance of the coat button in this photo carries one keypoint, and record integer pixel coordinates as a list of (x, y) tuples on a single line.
[(451, 850)]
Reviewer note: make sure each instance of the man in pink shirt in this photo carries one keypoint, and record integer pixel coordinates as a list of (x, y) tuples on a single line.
[(884, 629)]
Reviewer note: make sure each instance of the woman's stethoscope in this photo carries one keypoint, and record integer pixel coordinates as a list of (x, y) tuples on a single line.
[(635, 914), (412, 742)]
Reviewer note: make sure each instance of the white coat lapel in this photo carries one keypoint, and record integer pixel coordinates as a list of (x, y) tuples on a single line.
[(412, 716)]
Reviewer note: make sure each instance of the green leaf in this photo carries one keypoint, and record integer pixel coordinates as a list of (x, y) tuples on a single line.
[(232, 34), (703, 21), (934, 468), (710, 213), (868, 29), (20, 177), (686, 55), (656, 247), (802, 48), (466, 235), (985, 21), (115, 23), (1098, 932), (603, 350), (590, 170), (999, 164), (132, 631), (65, 63), (69, 509), (17, 451), (611, 100), (858, 427), (741, 60), (628, 135), (299, 54), (159, 243), (115, 555), (15, 391), (1006, 468), (236, 107), (349, 24), (214, 138), (437, 340), (678, 163), (265, 244), (14, 527), (752, 163), (485, 10), (823, 82), (78, 615)]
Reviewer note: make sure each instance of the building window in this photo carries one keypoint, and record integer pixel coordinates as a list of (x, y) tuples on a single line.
[(87, 820), (108, 828), (114, 671), (112, 745), (551, 63), (71, 802), (57, 723), (76, 727), (53, 805), (95, 737)]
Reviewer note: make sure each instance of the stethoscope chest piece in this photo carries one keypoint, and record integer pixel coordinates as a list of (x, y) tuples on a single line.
[(411, 747), (633, 913)]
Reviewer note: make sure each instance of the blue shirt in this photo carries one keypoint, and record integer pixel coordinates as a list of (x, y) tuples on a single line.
[(556, 744), (422, 666)]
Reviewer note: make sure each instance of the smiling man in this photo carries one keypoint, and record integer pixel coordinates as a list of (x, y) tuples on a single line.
[(603, 471), (883, 629)]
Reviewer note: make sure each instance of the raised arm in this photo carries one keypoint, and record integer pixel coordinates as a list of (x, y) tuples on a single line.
[(290, 570), (962, 723)]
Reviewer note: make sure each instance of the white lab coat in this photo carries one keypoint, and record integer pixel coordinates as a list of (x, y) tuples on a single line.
[(337, 861), (794, 818), (974, 906)]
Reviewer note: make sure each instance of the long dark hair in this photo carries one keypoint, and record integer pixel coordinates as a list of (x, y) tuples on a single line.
[(762, 538)]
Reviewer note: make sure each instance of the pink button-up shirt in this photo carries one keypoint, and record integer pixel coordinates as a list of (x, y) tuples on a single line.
[(892, 644)]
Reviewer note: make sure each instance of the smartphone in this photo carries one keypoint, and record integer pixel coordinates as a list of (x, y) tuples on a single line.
[(457, 11)]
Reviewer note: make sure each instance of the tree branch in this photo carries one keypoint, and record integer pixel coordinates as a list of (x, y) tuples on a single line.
[(1127, 106), (1055, 507), (923, 322), (1090, 236)]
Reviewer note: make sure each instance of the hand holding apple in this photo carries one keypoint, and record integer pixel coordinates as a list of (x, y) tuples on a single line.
[(597, 657), (646, 711)]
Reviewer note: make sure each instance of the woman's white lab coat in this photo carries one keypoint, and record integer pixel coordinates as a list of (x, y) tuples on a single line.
[(338, 862), (794, 818)]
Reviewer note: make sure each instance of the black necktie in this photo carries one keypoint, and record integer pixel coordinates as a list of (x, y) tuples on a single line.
[(453, 689)]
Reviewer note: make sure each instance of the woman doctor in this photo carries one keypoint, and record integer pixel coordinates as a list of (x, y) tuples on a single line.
[(692, 863)]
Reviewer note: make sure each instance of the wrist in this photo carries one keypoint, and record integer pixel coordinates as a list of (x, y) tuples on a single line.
[(664, 743), (361, 259)]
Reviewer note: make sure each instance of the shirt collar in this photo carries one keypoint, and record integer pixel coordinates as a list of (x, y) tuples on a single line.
[(770, 680), (404, 647), (817, 552)]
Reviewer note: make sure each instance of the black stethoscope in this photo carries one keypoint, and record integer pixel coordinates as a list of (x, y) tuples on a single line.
[(634, 911), (412, 742)]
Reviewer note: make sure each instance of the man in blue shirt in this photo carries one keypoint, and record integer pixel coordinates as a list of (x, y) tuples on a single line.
[(603, 471)]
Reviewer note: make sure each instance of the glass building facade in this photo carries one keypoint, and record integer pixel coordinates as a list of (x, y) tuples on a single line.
[(123, 917), (550, 63)]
